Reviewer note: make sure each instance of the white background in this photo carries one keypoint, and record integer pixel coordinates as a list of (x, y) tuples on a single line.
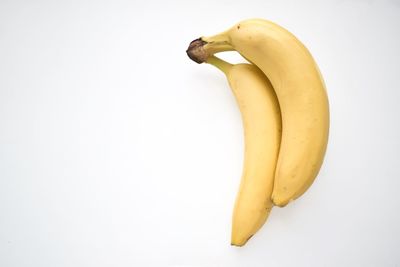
[(117, 150)]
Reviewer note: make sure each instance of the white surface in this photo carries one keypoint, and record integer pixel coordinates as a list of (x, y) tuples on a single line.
[(117, 150)]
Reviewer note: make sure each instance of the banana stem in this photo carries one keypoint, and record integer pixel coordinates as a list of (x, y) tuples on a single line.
[(200, 49), (224, 66)]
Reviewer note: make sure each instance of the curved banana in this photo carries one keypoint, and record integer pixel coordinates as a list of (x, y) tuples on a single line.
[(301, 94), (262, 133)]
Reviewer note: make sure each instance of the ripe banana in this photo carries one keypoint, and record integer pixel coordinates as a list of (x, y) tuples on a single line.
[(262, 132), (301, 94)]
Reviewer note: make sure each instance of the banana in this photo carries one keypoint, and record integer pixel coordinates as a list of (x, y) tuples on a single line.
[(301, 94), (261, 119)]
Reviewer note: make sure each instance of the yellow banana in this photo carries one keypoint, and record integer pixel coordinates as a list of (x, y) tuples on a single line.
[(301, 94), (262, 133)]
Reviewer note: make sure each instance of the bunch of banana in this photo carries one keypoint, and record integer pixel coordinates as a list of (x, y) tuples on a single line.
[(285, 112)]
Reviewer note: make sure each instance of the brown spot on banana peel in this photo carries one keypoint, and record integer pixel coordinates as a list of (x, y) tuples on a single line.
[(196, 51)]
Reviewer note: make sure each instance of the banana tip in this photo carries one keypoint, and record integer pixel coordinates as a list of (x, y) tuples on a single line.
[(279, 202), (238, 242)]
